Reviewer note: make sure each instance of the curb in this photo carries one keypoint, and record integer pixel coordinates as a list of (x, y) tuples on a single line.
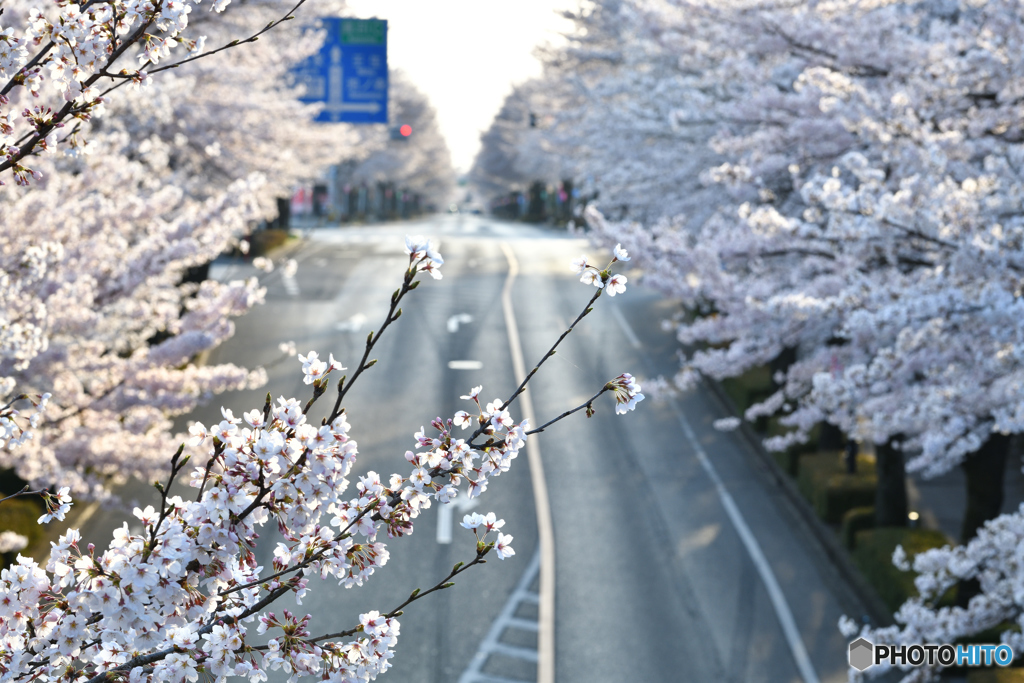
[(827, 542)]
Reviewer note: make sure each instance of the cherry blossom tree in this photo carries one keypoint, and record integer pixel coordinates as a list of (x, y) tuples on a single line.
[(513, 153), (180, 598), (92, 281), (868, 217), (159, 181)]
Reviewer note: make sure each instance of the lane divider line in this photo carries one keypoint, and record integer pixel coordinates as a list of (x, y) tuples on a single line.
[(545, 526), (753, 548)]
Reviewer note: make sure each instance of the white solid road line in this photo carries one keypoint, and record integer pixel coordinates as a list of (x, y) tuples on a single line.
[(753, 548), (545, 527)]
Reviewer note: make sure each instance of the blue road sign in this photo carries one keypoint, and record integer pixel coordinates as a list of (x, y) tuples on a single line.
[(350, 73)]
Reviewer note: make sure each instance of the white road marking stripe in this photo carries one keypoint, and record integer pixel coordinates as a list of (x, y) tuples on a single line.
[(445, 513), (522, 624), (456, 320), (500, 648), (545, 527), (753, 548), (626, 329), (353, 324), (465, 365)]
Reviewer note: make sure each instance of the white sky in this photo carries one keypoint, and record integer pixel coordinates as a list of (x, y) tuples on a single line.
[(465, 55)]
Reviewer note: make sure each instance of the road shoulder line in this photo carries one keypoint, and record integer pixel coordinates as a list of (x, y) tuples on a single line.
[(753, 548)]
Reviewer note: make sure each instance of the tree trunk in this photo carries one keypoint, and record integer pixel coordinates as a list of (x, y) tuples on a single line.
[(781, 363), (891, 495), (830, 438), (984, 473)]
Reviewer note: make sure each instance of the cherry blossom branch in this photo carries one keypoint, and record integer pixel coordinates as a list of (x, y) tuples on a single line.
[(589, 405), (24, 492), (165, 509), (413, 597), (126, 78), (863, 69), (32, 139), (26, 146), (586, 310), (394, 313), (289, 15)]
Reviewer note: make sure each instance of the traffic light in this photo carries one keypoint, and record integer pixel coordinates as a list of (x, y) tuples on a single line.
[(402, 132)]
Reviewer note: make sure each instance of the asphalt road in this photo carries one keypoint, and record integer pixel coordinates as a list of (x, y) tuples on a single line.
[(676, 557)]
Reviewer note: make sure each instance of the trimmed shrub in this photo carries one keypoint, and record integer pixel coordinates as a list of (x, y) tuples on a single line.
[(749, 388), (854, 521), (262, 242), (756, 385), (873, 556), (20, 515), (995, 675), (823, 480)]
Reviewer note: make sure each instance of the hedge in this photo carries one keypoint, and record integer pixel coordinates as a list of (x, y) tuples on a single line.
[(854, 521), (823, 480), (873, 556), (263, 241), (995, 676)]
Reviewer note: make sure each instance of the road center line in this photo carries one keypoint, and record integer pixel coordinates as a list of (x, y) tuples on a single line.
[(465, 365), (753, 548), (545, 527)]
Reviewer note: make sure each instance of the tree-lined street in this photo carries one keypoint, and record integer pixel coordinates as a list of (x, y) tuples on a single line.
[(215, 220), (653, 580)]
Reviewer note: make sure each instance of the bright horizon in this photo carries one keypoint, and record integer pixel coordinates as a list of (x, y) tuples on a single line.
[(466, 55)]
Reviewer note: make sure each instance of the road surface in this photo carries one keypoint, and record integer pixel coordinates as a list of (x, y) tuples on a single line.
[(676, 557)]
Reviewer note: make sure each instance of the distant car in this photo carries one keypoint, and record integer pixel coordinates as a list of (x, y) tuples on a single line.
[(477, 212)]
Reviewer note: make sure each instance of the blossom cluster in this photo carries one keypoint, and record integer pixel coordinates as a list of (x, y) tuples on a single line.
[(74, 47), (626, 391), (179, 598), (602, 279), (97, 312), (992, 558), (195, 557), (13, 434)]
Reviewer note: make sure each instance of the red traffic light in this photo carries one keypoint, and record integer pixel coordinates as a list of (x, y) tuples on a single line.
[(405, 130)]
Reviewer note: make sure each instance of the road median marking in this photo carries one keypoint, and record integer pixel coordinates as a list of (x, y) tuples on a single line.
[(545, 527), (465, 365)]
